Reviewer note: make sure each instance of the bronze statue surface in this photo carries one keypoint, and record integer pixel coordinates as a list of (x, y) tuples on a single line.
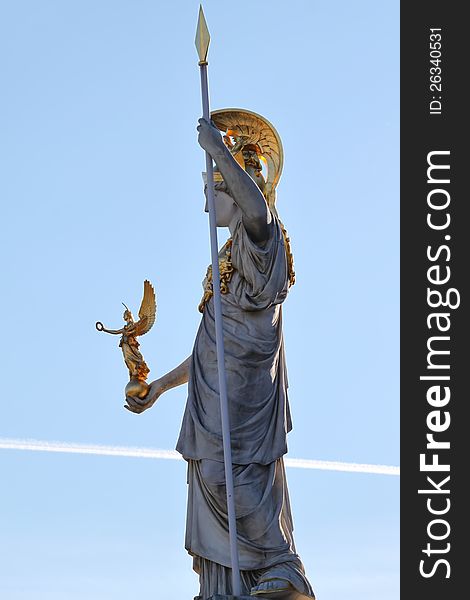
[(256, 270)]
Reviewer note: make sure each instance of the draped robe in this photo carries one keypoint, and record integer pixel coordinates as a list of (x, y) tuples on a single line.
[(259, 419)]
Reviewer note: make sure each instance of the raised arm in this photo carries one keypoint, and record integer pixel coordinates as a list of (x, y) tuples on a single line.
[(244, 191), (178, 376)]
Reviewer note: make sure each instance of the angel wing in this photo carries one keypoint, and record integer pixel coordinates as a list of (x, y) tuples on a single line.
[(147, 311)]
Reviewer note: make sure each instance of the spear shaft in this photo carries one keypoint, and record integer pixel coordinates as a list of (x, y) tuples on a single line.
[(202, 44)]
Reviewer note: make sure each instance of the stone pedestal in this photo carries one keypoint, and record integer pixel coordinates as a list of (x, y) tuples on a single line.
[(223, 597), (285, 595)]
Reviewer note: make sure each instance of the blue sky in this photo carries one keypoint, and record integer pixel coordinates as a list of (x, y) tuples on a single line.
[(101, 188)]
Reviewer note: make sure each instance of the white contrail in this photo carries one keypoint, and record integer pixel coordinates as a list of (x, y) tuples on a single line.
[(136, 452), (330, 465), (73, 448)]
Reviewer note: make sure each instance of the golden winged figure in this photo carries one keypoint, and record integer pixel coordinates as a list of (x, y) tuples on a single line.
[(138, 369)]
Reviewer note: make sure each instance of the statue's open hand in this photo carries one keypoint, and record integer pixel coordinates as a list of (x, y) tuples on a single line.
[(209, 137), (138, 405)]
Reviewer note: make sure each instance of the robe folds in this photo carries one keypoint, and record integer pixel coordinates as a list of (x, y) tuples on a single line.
[(259, 420)]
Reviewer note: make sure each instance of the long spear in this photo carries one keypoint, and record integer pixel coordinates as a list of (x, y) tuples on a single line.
[(202, 45)]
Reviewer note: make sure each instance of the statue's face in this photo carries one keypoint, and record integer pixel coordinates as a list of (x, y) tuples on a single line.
[(225, 208)]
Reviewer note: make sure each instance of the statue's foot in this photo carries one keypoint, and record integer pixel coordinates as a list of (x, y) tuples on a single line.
[(275, 587)]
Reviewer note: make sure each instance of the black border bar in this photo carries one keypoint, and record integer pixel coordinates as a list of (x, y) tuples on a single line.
[(435, 248)]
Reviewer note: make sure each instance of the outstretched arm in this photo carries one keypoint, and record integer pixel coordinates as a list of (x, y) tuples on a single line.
[(100, 327), (178, 376), (242, 188)]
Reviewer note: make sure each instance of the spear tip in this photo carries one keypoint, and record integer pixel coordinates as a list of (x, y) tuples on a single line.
[(203, 37)]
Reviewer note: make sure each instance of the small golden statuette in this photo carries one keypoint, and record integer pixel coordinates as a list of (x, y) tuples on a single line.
[(138, 369)]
